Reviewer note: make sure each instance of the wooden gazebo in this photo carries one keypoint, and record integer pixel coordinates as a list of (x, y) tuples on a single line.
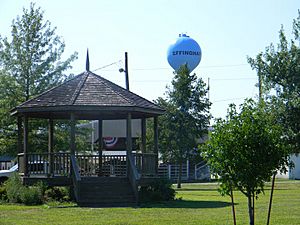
[(89, 97)]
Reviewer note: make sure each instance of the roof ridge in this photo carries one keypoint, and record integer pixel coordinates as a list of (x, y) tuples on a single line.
[(78, 89)]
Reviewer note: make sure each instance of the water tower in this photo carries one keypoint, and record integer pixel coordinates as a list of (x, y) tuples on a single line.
[(185, 50)]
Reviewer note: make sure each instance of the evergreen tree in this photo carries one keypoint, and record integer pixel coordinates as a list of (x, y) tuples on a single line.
[(186, 118)]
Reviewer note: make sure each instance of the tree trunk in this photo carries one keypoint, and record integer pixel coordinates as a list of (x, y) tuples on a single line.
[(179, 175), (233, 209), (253, 207), (250, 208), (271, 198)]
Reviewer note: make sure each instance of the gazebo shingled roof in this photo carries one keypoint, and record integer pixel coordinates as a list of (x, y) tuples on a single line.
[(90, 96)]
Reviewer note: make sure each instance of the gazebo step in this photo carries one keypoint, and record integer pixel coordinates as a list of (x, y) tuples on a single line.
[(106, 204), (105, 191)]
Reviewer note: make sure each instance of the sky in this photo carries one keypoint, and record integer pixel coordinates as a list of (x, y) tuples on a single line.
[(227, 31)]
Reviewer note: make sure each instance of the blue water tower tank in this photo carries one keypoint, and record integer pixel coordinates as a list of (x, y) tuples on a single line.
[(185, 50)]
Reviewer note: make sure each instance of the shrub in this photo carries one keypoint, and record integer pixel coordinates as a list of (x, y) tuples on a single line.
[(3, 194), (160, 190), (13, 188), (60, 194), (31, 195), (17, 193), (42, 188)]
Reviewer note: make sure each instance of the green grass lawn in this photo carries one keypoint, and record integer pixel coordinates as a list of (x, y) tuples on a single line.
[(200, 204)]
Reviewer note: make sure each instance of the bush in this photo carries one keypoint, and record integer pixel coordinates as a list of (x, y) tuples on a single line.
[(60, 194), (160, 190), (14, 188), (18, 193), (3, 194), (15, 192), (31, 195)]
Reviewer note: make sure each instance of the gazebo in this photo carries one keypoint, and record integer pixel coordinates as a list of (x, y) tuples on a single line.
[(89, 97)]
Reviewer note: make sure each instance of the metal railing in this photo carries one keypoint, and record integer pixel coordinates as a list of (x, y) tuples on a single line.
[(202, 171), (199, 171)]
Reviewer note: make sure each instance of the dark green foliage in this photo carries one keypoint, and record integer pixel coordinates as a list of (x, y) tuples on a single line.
[(60, 194), (186, 118), (160, 190), (3, 193)]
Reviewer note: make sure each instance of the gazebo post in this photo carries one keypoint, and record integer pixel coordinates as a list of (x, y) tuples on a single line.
[(72, 137), (25, 146), (20, 150), (100, 145), (129, 139), (50, 146), (143, 135), (156, 142), (144, 160)]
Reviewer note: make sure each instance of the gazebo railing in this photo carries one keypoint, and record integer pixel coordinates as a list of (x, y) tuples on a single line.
[(134, 176), (111, 165), (58, 164), (44, 164), (76, 179), (145, 163)]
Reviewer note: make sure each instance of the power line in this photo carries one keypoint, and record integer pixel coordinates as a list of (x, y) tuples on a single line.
[(228, 65), (229, 99), (238, 78), (213, 66), (216, 79), (100, 68), (167, 68)]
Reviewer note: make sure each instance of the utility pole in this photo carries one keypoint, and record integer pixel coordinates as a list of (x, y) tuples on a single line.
[(121, 70), (126, 71)]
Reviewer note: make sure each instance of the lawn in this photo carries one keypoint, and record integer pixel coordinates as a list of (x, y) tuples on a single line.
[(200, 204)]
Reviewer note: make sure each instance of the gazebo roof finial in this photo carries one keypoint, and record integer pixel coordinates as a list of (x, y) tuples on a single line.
[(87, 63)]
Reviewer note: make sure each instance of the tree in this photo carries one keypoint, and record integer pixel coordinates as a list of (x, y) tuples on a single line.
[(186, 118), (8, 90), (278, 70), (246, 149), (30, 63)]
